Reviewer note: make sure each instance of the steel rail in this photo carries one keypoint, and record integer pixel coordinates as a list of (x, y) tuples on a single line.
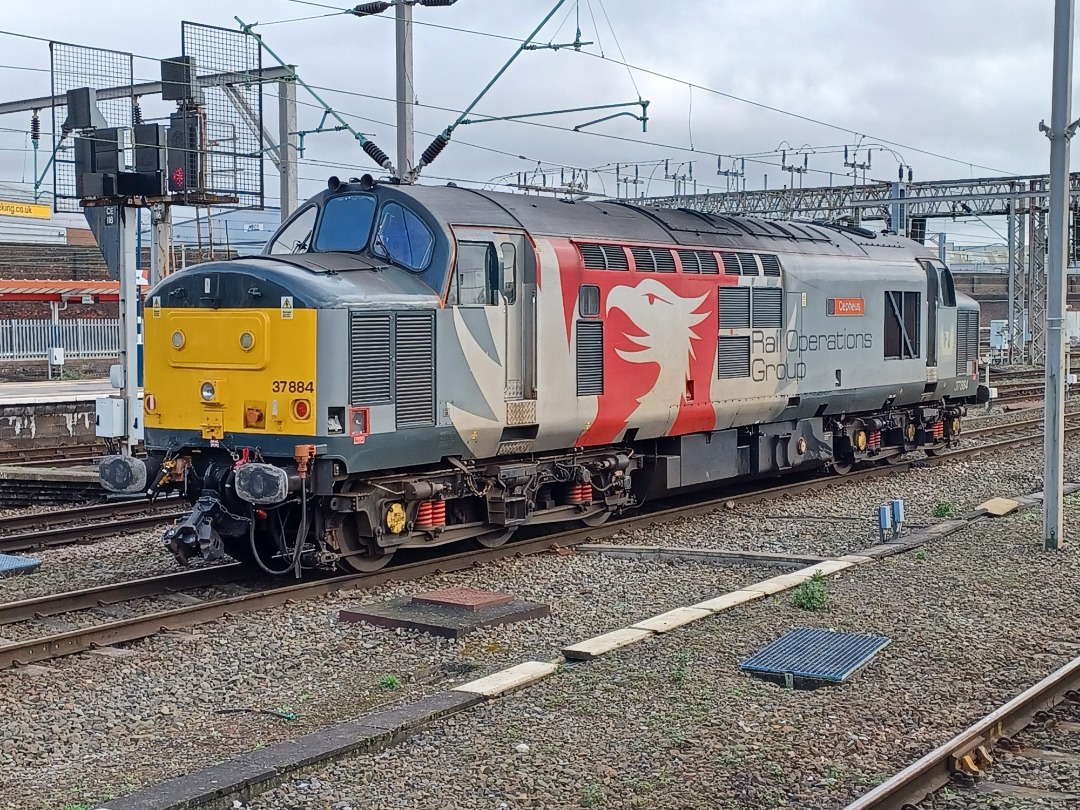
[(933, 771), (65, 517), (101, 595), (38, 455), (85, 533), (42, 649)]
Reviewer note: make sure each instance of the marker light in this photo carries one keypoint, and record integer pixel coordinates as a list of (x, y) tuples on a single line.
[(207, 392), (301, 408), (247, 341), (178, 339), (150, 403)]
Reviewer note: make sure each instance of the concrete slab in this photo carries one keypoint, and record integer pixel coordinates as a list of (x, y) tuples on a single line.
[(448, 622), (499, 683), (858, 559), (728, 600), (780, 583), (825, 567), (599, 645), (708, 556), (999, 506), (672, 619)]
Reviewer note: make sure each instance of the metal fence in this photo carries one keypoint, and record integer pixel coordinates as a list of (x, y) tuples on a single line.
[(79, 338)]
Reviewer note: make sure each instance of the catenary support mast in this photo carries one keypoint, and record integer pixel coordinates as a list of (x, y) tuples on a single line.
[(1060, 132)]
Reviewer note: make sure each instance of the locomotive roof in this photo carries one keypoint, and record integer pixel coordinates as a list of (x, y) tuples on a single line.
[(623, 221)]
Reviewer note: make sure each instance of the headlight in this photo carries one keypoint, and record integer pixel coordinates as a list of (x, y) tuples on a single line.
[(178, 339), (207, 391), (247, 340)]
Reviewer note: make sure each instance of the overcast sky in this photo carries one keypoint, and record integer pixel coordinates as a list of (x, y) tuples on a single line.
[(966, 80)]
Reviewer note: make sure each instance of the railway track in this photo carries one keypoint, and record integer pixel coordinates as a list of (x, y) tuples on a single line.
[(1009, 753), (44, 648), (85, 524), (60, 456)]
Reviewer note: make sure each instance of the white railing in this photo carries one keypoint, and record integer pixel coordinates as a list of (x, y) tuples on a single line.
[(79, 338)]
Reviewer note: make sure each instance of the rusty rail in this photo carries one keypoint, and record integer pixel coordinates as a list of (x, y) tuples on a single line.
[(935, 770)]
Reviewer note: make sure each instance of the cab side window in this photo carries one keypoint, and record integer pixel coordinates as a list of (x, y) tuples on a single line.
[(296, 236), (475, 275), (948, 289)]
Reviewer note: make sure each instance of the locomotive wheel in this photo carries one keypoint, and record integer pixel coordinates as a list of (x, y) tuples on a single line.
[(599, 519), (360, 553), (896, 458), (492, 539), (366, 562), (842, 467), (932, 451)]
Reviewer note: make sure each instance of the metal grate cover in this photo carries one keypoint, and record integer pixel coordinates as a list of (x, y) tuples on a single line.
[(11, 565), (817, 655)]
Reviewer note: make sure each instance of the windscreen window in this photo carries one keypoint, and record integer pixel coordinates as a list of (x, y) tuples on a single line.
[(296, 236), (403, 238), (346, 223)]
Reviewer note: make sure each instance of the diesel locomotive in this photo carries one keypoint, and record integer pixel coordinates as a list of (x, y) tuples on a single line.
[(408, 366)]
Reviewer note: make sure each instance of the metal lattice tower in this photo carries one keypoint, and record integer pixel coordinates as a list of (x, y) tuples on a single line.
[(1017, 280), (1036, 275)]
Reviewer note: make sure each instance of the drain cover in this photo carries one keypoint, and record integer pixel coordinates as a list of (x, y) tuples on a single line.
[(808, 657), (11, 565)]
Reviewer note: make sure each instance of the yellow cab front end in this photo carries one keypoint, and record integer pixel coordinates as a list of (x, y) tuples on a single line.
[(230, 371)]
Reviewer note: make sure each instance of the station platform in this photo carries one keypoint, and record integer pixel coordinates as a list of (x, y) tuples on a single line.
[(47, 392), (25, 486)]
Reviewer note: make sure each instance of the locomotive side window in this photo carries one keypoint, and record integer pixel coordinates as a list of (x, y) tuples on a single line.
[(474, 275), (346, 223), (948, 289), (296, 236), (902, 325), (403, 238), (508, 255), (588, 300)]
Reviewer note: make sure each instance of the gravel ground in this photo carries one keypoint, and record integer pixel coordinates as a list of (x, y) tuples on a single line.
[(67, 568), (94, 727), (672, 723), (843, 519)]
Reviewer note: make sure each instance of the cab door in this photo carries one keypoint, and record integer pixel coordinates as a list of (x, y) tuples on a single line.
[(940, 318)]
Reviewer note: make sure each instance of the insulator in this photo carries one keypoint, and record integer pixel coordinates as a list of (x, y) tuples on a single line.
[(136, 112), (433, 151), (377, 154), (35, 127), (367, 9), (435, 3)]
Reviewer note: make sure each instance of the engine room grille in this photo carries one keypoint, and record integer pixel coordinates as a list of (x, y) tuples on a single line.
[(732, 357), (967, 340), (768, 310), (698, 261), (369, 350), (770, 264), (603, 257), (748, 264), (653, 260), (590, 358), (414, 380), (731, 264), (734, 307)]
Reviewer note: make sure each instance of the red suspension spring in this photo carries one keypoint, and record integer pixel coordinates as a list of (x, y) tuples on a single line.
[(431, 514), (577, 493), (939, 430), (873, 441)]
